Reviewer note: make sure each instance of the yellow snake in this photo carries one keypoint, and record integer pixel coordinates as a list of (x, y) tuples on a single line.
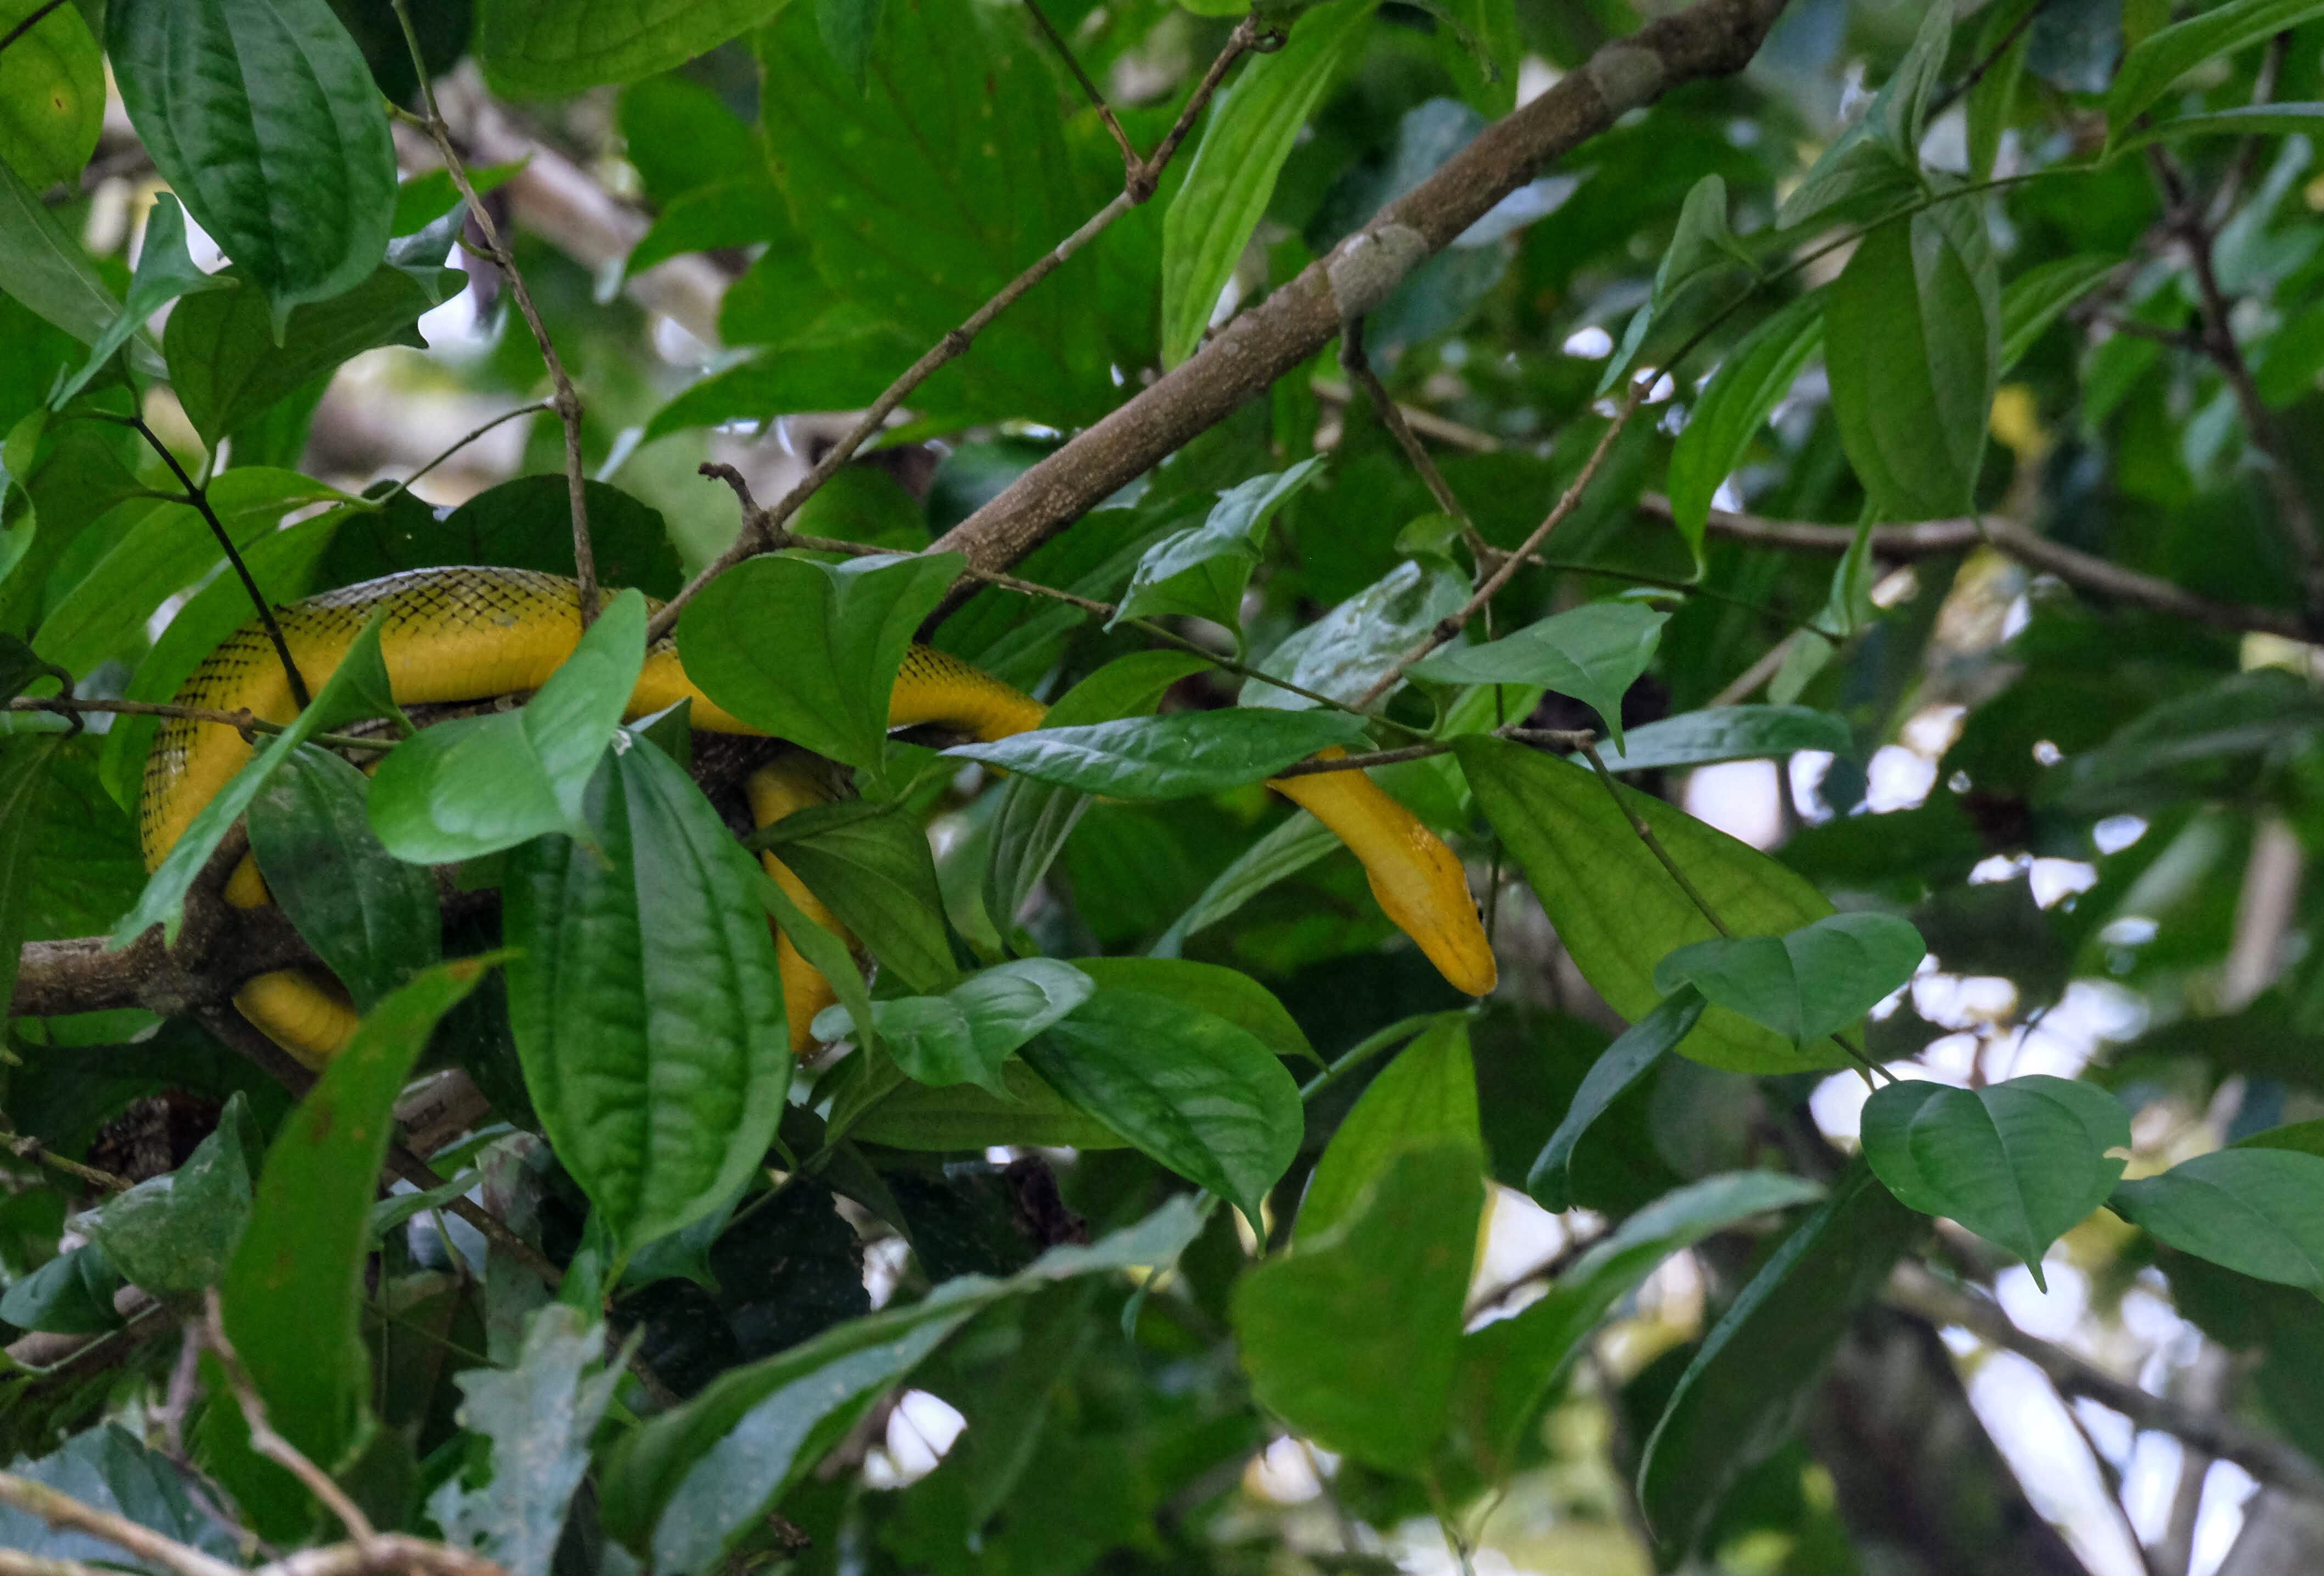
[(468, 634)]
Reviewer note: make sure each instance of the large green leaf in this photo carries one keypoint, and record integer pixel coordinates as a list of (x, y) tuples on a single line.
[(1230, 993), (265, 121), (1617, 909), (966, 1033), (1196, 1093), (871, 866), (45, 267), (1742, 394), (1353, 1336), (1912, 342), (2020, 1163), (1507, 1368), (644, 1000), (52, 93), (949, 174), (1428, 1092), (692, 1479), (1623, 1063), (1812, 981), (358, 688), (538, 49), (2258, 1211), (1250, 133), (1203, 570), (175, 1234), (474, 786), (524, 523), (1593, 653), (295, 1286), (1179, 756), (809, 651), (227, 364), (1742, 1395), (2164, 56), (1729, 734), (374, 920)]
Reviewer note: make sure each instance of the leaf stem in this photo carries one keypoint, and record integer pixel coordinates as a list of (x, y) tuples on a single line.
[(567, 401), (534, 409)]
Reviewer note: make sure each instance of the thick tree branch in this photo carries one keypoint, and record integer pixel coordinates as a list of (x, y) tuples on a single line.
[(1713, 38), (1930, 539)]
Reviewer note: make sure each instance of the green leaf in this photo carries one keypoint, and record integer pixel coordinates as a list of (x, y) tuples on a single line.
[(830, 955), (265, 121), (1345, 651), (1230, 993), (1913, 343), (836, 372), (1033, 820), (918, 1116), (1593, 653), (1899, 115), (1174, 757), (294, 1288), (1743, 732), (106, 1469), (164, 272), (2035, 297), (1203, 570), (2164, 56), (52, 93), (964, 1036), (1703, 245), (1196, 1093), (1812, 981), (23, 786), (2002, 44), (2306, 1137), (1250, 133), (1427, 1094), (227, 366), (49, 271), (2020, 1163), (744, 212), (870, 865), (693, 1477), (524, 523), (374, 921), (1748, 385), (541, 49), (1294, 845), (1353, 1336), (1617, 909), (2245, 120), (538, 1417), (174, 1235), (2257, 1212), (921, 194), (426, 198), (645, 1003), (70, 1294), (474, 786), (1509, 1368), (1624, 1063), (1742, 1395), (170, 548), (20, 667), (848, 28), (840, 634), (358, 688)]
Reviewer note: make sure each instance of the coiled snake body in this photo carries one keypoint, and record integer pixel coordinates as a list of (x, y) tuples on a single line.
[(468, 634)]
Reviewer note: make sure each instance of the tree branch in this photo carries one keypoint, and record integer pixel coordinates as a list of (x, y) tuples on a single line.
[(2271, 1460), (1931, 538), (1712, 38)]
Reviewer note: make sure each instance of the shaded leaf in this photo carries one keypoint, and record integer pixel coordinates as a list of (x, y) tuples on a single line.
[(1741, 732), (174, 1234), (1429, 1091), (1624, 1063), (1178, 756), (965, 1035), (870, 865), (1201, 570), (2168, 53), (1748, 385)]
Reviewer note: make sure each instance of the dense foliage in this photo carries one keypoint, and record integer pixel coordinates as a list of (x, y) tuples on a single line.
[(1834, 552)]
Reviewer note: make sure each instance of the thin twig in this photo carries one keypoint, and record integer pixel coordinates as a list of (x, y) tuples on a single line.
[(25, 1147), (950, 348), (210, 1331), (1130, 163), (62, 1511), (2246, 164), (1249, 37), (1654, 844), (243, 722), (1450, 626), (568, 400), (1425, 422), (199, 499), (405, 485), (29, 23), (1359, 368)]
